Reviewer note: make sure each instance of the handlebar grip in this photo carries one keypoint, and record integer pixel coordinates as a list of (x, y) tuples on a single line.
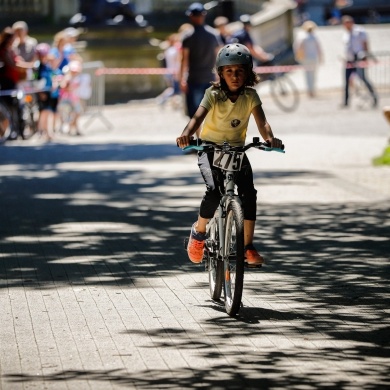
[(269, 145), (193, 142), (256, 140)]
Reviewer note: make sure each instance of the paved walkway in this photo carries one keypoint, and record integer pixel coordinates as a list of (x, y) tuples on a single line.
[(97, 292)]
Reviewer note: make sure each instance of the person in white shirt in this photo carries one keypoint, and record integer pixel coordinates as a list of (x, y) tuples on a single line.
[(172, 57), (355, 40), (308, 53)]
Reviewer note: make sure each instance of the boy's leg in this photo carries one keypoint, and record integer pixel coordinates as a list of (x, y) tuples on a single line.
[(201, 224), (249, 229), (209, 204), (252, 257)]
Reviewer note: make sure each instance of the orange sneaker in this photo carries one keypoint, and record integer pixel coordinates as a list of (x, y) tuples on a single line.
[(195, 247), (252, 257)]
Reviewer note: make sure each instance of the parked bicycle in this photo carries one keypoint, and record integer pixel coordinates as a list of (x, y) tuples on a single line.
[(19, 113), (224, 246), (359, 94), (283, 90)]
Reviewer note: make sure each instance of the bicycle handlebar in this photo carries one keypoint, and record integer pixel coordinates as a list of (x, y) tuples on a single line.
[(206, 146)]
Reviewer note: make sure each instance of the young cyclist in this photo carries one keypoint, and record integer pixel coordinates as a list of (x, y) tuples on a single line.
[(224, 114)]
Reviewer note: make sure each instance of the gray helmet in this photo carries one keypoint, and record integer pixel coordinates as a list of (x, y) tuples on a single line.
[(234, 54)]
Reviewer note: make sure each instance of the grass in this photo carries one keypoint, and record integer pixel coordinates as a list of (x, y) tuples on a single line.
[(384, 159)]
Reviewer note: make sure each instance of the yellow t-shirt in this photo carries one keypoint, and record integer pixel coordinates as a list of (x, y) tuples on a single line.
[(225, 120)]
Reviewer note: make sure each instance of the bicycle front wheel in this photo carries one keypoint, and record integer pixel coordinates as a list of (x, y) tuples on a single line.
[(215, 265), (284, 93), (234, 258), (5, 124)]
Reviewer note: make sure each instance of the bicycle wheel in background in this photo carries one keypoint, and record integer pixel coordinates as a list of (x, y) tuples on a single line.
[(215, 264), (30, 118), (234, 258), (284, 93), (5, 124), (360, 94)]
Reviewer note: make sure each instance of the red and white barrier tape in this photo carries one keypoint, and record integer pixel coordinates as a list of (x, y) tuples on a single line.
[(164, 71), (136, 71)]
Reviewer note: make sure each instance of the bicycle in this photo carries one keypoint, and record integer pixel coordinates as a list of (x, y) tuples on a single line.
[(19, 113), (360, 93), (224, 245), (5, 122), (283, 90)]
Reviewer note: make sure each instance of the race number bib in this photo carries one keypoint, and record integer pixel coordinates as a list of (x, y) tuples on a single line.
[(228, 161)]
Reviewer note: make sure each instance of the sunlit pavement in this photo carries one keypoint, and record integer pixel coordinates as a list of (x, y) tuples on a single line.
[(97, 291)]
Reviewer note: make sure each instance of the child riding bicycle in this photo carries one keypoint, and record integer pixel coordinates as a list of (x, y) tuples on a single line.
[(223, 115)]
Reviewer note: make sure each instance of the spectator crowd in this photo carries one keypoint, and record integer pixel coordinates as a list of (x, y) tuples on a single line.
[(189, 55), (52, 70)]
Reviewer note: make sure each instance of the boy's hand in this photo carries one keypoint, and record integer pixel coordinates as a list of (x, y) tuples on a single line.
[(183, 141), (275, 142)]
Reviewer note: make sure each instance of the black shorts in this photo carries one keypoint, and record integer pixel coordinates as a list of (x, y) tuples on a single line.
[(47, 102), (213, 178)]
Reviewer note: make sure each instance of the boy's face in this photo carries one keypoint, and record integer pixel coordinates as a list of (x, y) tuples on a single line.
[(235, 76)]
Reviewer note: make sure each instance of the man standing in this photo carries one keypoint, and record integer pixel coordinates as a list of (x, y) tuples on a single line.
[(199, 50), (356, 51)]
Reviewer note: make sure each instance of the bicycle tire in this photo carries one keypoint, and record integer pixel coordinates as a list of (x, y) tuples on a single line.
[(361, 94), (234, 257), (5, 123), (30, 121), (215, 265), (17, 124), (284, 93)]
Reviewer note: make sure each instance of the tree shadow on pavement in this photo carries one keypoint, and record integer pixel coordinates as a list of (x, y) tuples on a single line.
[(69, 219)]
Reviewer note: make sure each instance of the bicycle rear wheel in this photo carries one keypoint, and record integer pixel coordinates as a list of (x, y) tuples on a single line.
[(215, 265), (30, 120), (284, 93), (5, 124), (234, 258)]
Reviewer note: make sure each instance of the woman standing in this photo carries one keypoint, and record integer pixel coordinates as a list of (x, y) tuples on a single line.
[(308, 52)]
